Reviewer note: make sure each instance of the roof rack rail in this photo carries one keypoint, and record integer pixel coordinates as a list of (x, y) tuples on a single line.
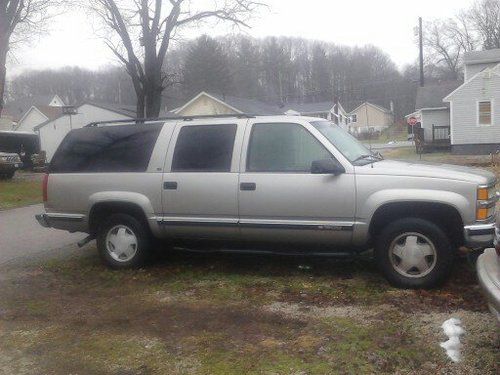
[(158, 119)]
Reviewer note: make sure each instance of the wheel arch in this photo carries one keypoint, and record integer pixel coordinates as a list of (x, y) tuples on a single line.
[(444, 215), (104, 204)]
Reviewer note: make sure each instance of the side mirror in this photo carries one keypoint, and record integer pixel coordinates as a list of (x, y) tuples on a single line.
[(327, 166)]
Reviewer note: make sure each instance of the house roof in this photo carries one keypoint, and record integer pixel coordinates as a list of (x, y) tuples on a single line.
[(237, 104), (478, 57), (121, 109), (431, 96), (18, 108), (250, 106), (309, 107), (50, 112), (125, 110), (379, 107)]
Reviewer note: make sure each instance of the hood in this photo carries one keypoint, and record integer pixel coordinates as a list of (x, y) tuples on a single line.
[(430, 170)]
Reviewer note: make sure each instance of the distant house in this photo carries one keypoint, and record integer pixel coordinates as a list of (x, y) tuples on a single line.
[(328, 110), (369, 117), (28, 112), (475, 105), (53, 130), (432, 114), (211, 104)]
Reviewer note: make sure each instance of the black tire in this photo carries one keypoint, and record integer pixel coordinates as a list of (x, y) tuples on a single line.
[(10, 175), (443, 259), (134, 227)]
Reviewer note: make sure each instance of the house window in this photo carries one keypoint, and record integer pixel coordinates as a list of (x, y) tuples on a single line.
[(354, 118), (340, 118), (484, 113)]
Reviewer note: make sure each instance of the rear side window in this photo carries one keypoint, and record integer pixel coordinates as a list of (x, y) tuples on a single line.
[(204, 148), (120, 148)]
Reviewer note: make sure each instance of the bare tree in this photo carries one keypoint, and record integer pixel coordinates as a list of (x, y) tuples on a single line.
[(446, 41), (485, 18), (145, 29), (19, 21)]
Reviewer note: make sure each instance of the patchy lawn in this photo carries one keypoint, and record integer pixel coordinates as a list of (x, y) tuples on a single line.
[(24, 189), (214, 314)]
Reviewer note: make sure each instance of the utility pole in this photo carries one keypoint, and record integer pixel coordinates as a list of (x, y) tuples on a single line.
[(421, 48)]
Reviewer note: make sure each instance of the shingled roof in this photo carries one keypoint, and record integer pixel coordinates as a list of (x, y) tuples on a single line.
[(431, 96)]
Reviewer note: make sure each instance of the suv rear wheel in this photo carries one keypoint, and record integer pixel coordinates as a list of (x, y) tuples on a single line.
[(123, 241), (414, 253)]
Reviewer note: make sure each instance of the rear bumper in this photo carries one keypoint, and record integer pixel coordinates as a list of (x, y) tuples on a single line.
[(69, 222), (479, 235), (488, 272), (42, 220)]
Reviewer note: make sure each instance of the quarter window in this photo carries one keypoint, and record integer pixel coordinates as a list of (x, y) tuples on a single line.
[(484, 113), (283, 147), (354, 118), (118, 148), (204, 148)]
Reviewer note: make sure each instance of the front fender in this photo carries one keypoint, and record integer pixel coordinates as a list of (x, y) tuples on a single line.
[(366, 208)]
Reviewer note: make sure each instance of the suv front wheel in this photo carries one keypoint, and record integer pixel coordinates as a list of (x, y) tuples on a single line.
[(414, 253), (123, 241)]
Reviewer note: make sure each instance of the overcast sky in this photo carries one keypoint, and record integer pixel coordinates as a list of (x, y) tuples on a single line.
[(388, 24)]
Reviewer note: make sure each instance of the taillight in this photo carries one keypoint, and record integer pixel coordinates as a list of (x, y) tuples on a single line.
[(45, 183)]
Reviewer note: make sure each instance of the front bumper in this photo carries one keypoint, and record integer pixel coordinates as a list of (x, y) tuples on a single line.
[(488, 272), (10, 167), (479, 235)]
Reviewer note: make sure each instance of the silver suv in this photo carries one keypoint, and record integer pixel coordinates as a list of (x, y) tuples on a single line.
[(291, 185)]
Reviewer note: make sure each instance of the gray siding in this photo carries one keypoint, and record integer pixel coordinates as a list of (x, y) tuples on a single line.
[(439, 117), (464, 122), (473, 69)]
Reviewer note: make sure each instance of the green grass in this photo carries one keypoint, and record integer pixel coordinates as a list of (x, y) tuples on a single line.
[(19, 192)]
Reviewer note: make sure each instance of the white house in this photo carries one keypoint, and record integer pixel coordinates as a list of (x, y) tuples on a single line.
[(39, 112), (430, 110), (475, 105), (53, 131)]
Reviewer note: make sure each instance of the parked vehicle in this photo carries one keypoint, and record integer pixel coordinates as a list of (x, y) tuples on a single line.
[(277, 184), (9, 164), (488, 271), (24, 144)]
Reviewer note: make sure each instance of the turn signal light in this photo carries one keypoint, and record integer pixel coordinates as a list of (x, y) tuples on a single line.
[(482, 194), (482, 214)]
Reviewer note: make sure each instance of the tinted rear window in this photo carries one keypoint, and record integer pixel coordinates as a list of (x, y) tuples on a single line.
[(121, 148), (204, 148)]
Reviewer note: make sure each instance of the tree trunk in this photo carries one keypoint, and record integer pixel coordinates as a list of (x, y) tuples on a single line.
[(3, 73), (140, 105)]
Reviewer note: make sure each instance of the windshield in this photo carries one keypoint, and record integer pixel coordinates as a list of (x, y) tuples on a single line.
[(349, 146)]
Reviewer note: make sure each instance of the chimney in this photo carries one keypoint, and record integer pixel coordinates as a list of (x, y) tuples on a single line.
[(392, 106)]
